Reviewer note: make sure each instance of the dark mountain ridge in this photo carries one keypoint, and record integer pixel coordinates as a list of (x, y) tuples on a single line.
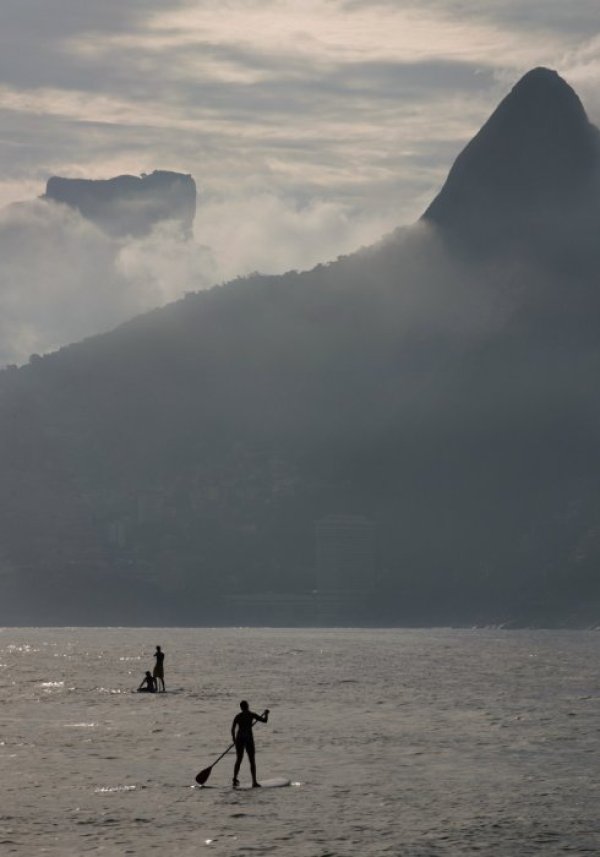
[(434, 408)]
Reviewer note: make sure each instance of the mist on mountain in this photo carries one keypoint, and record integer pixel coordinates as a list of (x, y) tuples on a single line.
[(80, 266), (429, 403), (88, 255)]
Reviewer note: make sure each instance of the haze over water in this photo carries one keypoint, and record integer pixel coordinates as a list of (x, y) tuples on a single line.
[(403, 742)]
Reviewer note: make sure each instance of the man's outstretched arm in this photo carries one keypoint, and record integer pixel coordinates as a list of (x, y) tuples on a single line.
[(262, 717)]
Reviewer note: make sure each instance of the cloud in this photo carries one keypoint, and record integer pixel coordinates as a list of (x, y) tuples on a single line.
[(53, 264), (62, 279), (263, 87), (299, 236), (580, 17)]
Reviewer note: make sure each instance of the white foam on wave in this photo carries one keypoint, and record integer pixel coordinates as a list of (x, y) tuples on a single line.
[(110, 789)]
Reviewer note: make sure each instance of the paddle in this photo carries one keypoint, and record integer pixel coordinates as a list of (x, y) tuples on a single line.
[(202, 777)]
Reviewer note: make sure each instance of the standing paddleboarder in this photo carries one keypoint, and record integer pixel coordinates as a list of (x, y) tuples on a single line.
[(159, 669), (242, 737)]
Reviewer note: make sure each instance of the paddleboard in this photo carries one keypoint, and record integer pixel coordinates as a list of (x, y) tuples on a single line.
[(274, 783)]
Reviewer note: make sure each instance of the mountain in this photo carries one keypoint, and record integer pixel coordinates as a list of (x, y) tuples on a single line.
[(533, 162), (129, 205), (406, 435)]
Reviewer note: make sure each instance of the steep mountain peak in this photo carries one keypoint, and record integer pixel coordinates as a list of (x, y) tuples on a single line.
[(536, 154), (541, 79), (544, 101)]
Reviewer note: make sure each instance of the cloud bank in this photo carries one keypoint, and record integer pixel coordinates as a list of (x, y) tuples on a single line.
[(63, 279)]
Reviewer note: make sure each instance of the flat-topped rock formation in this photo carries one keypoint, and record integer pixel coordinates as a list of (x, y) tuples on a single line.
[(129, 205)]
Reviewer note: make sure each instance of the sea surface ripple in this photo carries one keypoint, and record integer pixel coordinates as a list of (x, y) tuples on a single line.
[(412, 743)]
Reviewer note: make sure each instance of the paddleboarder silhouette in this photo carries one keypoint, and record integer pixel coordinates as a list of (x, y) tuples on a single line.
[(243, 739), (159, 670)]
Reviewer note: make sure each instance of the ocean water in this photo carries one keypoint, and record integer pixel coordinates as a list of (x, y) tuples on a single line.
[(397, 742)]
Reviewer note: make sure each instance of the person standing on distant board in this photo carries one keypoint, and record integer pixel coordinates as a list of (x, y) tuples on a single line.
[(159, 670), (242, 737)]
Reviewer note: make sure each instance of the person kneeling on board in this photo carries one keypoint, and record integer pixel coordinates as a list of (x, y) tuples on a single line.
[(148, 684), (242, 737)]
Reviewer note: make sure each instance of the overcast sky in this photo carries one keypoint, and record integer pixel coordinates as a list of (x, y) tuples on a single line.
[(310, 126)]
